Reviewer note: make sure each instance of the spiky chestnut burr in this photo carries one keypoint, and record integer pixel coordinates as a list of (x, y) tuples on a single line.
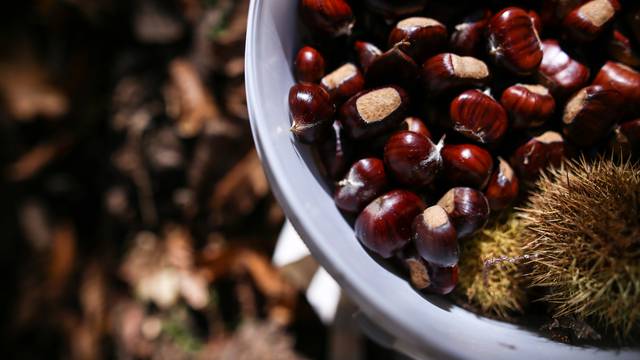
[(583, 226), (490, 269)]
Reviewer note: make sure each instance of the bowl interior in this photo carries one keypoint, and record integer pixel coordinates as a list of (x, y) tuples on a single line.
[(419, 325)]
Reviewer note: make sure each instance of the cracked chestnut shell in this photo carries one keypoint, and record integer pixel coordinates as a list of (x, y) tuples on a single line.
[(503, 187), (374, 112), (478, 116), (309, 65), (365, 181), (528, 105), (384, 226), (412, 158), (559, 73), (312, 111), (587, 21), (513, 41), (467, 208), (535, 155), (331, 18), (590, 114), (435, 237), (466, 165), (343, 82), (419, 37), (447, 72)]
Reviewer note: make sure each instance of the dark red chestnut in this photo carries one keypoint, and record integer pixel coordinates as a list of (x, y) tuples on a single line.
[(468, 36), (466, 165), (374, 112), (478, 116), (312, 112), (393, 9), (620, 49), (528, 105), (468, 210), (412, 158), (435, 237), (446, 73), (559, 73), (535, 19), (328, 17), (535, 155), (419, 37), (513, 41), (336, 152), (309, 65), (590, 114), (443, 279), (554, 11), (392, 67), (365, 181), (587, 21), (624, 79), (416, 125), (503, 187), (366, 53), (384, 226), (343, 83)]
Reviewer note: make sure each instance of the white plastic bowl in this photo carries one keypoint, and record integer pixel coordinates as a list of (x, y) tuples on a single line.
[(421, 326)]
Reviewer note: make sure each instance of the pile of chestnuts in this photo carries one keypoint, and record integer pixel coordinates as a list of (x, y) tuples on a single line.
[(429, 115)]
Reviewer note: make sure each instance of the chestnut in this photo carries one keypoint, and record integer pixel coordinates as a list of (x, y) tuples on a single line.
[(528, 105), (468, 36), (478, 116), (587, 21), (309, 65), (416, 125), (435, 237), (331, 18), (384, 226), (336, 152), (590, 114), (366, 53), (365, 181), (392, 67), (412, 158), (418, 271), (554, 11), (535, 155), (624, 79), (393, 9), (343, 83), (467, 208), (620, 49), (503, 187), (537, 22), (419, 37), (445, 73), (513, 41), (630, 131), (312, 112), (373, 112), (443, 280), (466, 165), (559, 73)]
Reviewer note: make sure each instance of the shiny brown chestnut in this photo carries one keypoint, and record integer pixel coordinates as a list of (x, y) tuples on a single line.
[(468, 36), (328, 17), (537, 154), (365, 181), (466, 165), (624, 79), (587, 21), (447, 72), (336, 152), (435, 237), (553, 12), (467, 208), (366, 53), (631, 132), (343, 83), (384, 226), (478, 116), (309, 65), (416, 125), (590, 114), (559, 73), (503, 187), (419, 37), (412, 158), (620, 49), (393, 9), (312, 112), (513, 41), (392, 67), (528, 105), (373, 112), (443, 280)]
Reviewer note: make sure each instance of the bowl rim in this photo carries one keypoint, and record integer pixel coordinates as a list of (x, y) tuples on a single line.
[(410, 339)]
